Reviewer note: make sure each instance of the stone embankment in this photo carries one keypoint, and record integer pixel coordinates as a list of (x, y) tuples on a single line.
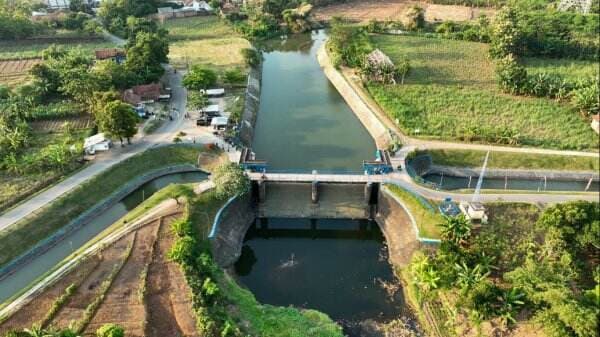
[(251, 106), (376, 128)]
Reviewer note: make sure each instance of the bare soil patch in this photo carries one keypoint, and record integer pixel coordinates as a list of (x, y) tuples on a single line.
[(13, 72), (123, 302), (395, 10), (36, 310), (73, 310), (170, 311), (59, 124)]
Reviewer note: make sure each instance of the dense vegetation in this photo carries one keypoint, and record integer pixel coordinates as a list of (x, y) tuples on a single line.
[(107, 330), (543, 269)]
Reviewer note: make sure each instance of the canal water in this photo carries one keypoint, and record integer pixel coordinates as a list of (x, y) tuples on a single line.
[(540, 184), (303, 123), (339, 267), (36, 268)]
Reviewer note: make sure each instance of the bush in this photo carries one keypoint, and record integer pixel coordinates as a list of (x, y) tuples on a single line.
[(110, 330), (234, 76), (512, 76), (199, 78), (416, 18), (251, 56), (230, 180), (587, 99), (348, 44)]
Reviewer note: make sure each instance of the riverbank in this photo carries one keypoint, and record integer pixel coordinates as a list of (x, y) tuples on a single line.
[(370, 121)]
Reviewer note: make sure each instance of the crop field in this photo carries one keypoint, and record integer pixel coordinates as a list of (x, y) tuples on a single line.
[(395, 10), (25, 49), (14, 72), (130, 282), (451, 94), (204, 40), (572, 70)]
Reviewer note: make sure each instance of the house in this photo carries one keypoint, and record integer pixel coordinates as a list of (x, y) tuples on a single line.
[(196, 5), (596, 123), (114, 54), (142, 93)]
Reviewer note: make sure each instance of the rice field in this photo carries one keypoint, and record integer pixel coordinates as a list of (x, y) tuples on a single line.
[(204, 40), (451, 94)]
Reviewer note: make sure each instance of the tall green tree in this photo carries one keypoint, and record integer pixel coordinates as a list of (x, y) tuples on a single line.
[(199, 77), (230, 180), (118, 119), (145, 55), (506, 34)]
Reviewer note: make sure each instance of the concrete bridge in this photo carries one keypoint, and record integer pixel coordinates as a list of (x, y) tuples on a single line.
[(317, 177)]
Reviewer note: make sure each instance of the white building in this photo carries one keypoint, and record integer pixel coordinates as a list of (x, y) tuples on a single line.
[(197, 5)]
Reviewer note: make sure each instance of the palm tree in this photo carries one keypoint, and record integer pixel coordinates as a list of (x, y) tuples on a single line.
[(511, 300), (456, 230)]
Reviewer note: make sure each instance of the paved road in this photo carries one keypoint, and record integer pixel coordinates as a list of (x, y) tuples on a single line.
[(163, 135)]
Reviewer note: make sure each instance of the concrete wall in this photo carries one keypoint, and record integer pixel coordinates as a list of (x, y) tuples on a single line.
[(399, 233), (375, 127), (341, 201), (89, 215), (234, 221), (251, 105)]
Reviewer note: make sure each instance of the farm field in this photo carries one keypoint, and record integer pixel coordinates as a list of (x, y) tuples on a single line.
[(11, 50), (130, 282), (204, 40), (15, 187), (395, 10), (451, 94), (14, 72)]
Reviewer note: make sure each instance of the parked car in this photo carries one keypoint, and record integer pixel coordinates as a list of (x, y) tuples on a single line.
[(204, 120)]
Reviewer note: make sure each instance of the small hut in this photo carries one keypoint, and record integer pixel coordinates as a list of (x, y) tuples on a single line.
[(379, 67)]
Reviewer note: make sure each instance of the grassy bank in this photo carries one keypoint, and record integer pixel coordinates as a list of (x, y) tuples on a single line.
[(451, 94), (509, 160), (427, 219), (23, 235), (219, 44)]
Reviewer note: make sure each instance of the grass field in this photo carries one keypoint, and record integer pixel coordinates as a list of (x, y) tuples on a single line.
[(204, 40), (26, 233), (572, 70), (509, 160), (451, 94), (10, 50), (426, 218)]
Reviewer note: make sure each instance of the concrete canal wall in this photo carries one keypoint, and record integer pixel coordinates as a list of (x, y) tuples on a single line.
[(90, 214), (251, 106), (400, 234), (375, 127), (229, 229)]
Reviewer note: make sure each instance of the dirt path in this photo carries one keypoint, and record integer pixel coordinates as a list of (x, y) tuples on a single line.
[(123, 304), (170, 311), (88, 290)]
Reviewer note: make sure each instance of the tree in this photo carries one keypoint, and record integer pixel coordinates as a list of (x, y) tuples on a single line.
[(4, 92), (506, 35), (196, 100), (416, 18), (230, 180), (110, 73), (349, 44), (110, 330), (145, 53), (199, 78), (118, 119)]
